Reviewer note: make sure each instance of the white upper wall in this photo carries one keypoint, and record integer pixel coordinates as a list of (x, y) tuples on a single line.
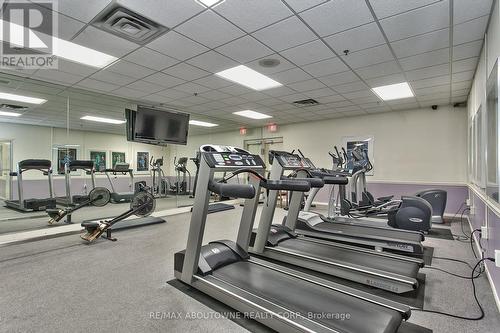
[(409, 146)]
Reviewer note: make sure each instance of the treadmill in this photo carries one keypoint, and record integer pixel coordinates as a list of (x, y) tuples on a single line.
[(281, 298), (28, 205), (350, 230), (70, 199), (124, 169), (388, 271)]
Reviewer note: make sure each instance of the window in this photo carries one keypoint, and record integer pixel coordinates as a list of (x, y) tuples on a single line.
[(492, 186)]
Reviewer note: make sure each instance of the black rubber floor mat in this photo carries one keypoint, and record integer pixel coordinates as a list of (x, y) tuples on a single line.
[(441, 233)]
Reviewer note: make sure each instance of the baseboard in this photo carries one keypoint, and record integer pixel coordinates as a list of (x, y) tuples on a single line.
[(488, 275)]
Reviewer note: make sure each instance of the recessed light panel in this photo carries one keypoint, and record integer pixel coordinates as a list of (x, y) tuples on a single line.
[(252, 114), (394, 91), (9, 114), (209, 3), (201, 123), (248, 78), (103, 120), (20, 98)]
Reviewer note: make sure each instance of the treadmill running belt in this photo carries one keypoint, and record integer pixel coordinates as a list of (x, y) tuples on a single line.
[(310, 299), (362, 230), (328, 252)]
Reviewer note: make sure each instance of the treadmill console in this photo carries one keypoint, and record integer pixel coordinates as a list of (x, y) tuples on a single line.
[(233, 159), (292, 161)]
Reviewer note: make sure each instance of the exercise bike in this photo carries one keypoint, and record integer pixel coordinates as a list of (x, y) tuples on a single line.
[(98, 197), (142, 205)]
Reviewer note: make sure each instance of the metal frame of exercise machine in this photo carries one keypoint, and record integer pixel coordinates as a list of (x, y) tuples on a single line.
[(87, 166), (278, 297), (27, 205), (124, 169)]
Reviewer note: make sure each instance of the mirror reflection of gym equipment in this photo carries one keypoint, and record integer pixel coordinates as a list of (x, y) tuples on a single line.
[(182, 184)]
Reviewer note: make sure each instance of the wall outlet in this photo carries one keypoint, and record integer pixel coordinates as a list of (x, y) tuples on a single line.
[(484, 232), (472, 210), (467, 202), (497, 258)]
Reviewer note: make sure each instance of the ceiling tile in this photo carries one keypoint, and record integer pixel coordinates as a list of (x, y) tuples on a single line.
[(67, 27), (191, 88), (177, 46), (470, 30), (293, 97), (245, 49), (325, 67), (359, 94), (97, 85), (418, 21), (145, 86), (253, 15), (215, 95), (323, 92), (335, 16), (212, 62), (427, 72), (75, 68), (186, 72), (334, 99), (386, 80), (300, 5), (234, 100), (57, 76), (282, 66), (382, 69), (172, 94), (210, 29), (307, 85), (308, 53), (168, 13), (279, 91), (467, 50), (350, 87), (435, 81), (128, 93), (270, 101), (254, 96), (113, 78), (371, 56), (151, 59), (289, 76), (469, 64), (163, 80), (432, 90), (462, 76), (236, 90), (423, 43), (285, 34), (81, 10), (213, 82), (426, 59), (356, 39), (130, 69), (464, 10), (104, 42), (339, 78), (384, 8)]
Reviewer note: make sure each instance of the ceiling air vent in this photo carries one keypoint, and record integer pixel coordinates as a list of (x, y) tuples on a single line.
[(127, 24), (306, 102), (12, 107)]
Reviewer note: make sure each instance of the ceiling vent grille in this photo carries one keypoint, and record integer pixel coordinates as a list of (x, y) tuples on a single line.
[(12, 107), (127, 24), (306, 102)]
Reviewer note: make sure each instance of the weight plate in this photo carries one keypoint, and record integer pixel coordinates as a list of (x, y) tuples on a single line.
[(99, 196), (144, 200)]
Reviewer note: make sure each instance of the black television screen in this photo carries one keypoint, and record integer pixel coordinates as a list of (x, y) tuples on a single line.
[(157, 126)]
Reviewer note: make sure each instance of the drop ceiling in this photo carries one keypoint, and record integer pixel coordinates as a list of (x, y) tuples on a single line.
[(434, 45)]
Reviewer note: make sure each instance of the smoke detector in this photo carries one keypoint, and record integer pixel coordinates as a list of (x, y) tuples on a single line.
[(129, 25), (306, 102)]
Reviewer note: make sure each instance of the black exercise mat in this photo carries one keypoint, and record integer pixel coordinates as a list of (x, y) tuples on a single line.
[(218, 207), (407, 327), (441, 233)]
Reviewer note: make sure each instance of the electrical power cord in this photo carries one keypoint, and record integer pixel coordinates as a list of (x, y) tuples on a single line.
[(472, 278)]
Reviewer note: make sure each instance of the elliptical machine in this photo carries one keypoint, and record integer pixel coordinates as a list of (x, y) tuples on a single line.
[(159, 187), (182, 184)]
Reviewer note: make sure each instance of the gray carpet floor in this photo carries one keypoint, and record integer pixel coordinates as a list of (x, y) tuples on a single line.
[(62, 285)]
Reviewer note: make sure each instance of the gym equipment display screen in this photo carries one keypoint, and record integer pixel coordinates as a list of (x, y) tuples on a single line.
[(156, 126)]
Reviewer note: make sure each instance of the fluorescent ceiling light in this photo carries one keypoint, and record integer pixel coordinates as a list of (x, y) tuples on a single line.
[(103, 120), (248, 78), (62, 48), (20, 98), (209, 3), (394, 91), (252, 114), (201, 123), (9, 114)]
